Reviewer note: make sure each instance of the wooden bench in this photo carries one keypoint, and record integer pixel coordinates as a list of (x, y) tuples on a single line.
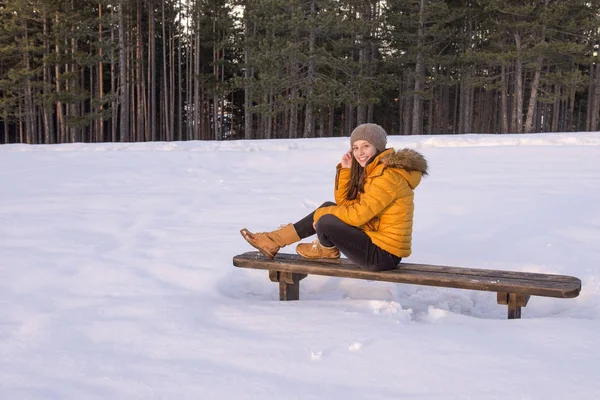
[(513, 288)]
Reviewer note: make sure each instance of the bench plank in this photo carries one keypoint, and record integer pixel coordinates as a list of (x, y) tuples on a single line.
[(525, 283)]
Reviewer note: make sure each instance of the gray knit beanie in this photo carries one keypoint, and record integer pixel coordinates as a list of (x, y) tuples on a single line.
[(372, 133)]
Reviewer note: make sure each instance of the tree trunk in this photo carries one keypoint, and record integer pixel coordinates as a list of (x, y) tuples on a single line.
[(361, 109), (172, 82), (248, 134), (408, 106), (100, 133), (445, 108), (350, 119), (417, 122), (166, 117), (48, 114), (198, 99), (215, 109), (113, 85), (293, 105), (189, 111), (430, 117), (504, 100), (60, 119), (529, 128), (400, 106), (331, 121), (123, 83), (74, 131), (555, 109), (594, 103), (28, 97), (269, 116), (518, 93), (152, 71), (464, 105), (179, 85), (309, 124), (141, 113)]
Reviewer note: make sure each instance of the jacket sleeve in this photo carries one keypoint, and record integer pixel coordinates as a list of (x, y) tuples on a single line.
[(381, 192), (342, 181)]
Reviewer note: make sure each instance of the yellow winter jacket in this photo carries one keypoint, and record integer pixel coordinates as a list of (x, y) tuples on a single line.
[(385, 210)]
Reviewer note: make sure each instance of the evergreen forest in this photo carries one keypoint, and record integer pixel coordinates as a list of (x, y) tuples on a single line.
[(171, 70)]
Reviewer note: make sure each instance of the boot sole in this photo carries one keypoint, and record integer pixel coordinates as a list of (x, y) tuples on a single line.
[(245, 234), (317, 257)]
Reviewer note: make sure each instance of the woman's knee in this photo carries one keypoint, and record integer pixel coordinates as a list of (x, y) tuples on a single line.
[(327, 221)]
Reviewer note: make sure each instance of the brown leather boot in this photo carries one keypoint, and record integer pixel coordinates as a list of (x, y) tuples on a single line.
[(317, 250), (269, 243)]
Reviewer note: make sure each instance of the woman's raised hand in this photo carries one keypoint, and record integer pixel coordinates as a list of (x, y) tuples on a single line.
[(347, 160)]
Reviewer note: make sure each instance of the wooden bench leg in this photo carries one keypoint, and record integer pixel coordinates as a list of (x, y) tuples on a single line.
[(514, 301), (289, 284)]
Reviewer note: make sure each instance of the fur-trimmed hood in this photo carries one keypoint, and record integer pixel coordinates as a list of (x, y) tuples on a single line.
[(407, 159), (410, 163)]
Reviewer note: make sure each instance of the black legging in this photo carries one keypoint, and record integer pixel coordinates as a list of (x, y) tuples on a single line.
[(351, 241)]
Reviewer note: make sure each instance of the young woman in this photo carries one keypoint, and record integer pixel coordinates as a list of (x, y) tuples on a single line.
[(372, 217)]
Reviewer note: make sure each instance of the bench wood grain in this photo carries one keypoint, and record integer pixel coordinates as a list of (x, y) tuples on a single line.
[(513, 288)]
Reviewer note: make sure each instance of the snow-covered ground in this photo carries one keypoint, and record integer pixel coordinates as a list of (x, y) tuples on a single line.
[(116, 275)]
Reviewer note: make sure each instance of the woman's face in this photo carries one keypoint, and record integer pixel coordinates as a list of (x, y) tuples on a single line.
[(363, 151)]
